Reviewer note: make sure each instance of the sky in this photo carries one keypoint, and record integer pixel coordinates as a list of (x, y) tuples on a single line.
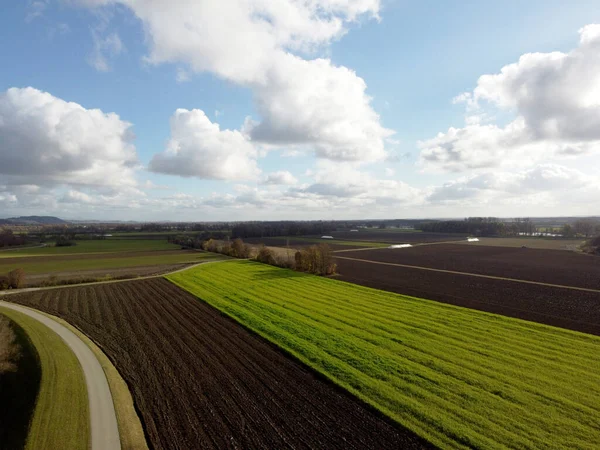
[(213, 110)]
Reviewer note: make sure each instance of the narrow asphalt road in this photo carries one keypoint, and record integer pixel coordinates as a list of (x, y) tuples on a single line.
[(103, 420)]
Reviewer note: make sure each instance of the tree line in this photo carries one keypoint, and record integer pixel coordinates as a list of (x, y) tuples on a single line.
[(9, 239), (492, 226), (316, 259)]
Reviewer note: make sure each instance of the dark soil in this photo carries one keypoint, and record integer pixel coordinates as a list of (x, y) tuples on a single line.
[(200, 380), (575, 310), (546, 266), (398, 237)]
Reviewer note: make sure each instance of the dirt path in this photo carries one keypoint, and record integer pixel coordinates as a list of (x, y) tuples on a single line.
[(103, 420), (491, 277)]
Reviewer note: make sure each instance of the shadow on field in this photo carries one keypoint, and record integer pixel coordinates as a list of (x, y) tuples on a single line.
[(18, 393)]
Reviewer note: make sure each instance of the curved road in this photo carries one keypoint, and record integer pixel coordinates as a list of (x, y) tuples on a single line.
[(103, 420)]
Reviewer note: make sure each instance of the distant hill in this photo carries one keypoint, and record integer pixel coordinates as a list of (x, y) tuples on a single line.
[(33, 220)]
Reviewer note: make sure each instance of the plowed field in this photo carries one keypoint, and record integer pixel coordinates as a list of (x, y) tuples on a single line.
[(199, 380), (575, 310), (547, 266)]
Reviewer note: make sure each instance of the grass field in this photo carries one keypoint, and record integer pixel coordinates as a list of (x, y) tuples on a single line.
[(94, 246), (458, 377), (56, 265), (61, 418)]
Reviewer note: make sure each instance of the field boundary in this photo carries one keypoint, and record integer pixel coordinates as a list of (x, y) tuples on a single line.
[(478, 275), (104, 431), (67, 286), (131, 431)]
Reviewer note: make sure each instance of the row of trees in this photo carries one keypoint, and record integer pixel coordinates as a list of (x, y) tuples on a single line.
[(283, 228), (581, 227), (9, 239), (478, 226), (491, 226), (316, 259)]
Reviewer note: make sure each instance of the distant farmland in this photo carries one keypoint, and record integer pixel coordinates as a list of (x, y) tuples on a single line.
[(459, 377), (97, 258)]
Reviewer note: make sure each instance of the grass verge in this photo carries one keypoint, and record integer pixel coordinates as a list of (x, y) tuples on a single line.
[(131, 432), (61, 417), (458, 377)]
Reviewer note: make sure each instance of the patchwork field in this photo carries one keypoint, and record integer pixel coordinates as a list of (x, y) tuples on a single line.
[(199, 380), (97, 259), (547, 266), (459, 377), (94, 246), (571, 309)]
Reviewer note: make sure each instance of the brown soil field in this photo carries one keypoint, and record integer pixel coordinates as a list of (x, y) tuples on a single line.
[(546, 266), (575, 310), (397, 237), (531, 242), (200, 380)]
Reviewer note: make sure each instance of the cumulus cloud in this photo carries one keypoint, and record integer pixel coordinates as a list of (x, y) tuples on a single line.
[(256, 43), (199, 148), (557, 184), (555, 97), (319, 104), (280, 177), (48, 141)]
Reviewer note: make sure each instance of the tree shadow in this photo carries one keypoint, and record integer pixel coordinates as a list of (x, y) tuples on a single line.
[(18, 393)]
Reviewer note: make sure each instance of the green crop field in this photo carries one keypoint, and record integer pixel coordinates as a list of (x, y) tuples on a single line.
[(61, 418), (94, 246), (458, 377), (58, 265)]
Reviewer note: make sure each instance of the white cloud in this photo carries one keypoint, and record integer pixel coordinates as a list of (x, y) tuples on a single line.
[(182, 75), (280, 177), (199, 148), (46, 140), (555, 97), (35, 9), (316, 103), (105, 48), (250, 42), (554, 183), (389, 172), (76, 197)]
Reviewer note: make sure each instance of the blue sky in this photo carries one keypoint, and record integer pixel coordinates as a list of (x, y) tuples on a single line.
[(355, 136)]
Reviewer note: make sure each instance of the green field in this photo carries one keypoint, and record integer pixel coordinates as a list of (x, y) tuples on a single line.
[(61, 419), (458, 377), (94, 246), (56, 265)]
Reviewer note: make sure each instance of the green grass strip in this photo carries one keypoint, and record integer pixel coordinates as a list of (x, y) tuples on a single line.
[(458, 377), (61, 417)]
